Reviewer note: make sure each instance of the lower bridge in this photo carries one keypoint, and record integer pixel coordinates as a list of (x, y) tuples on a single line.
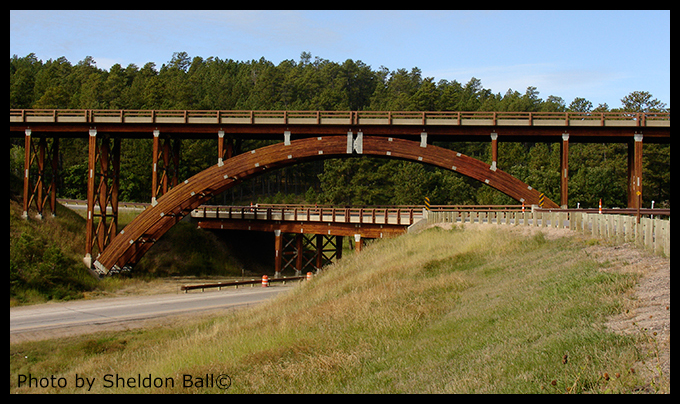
[(308, 237)]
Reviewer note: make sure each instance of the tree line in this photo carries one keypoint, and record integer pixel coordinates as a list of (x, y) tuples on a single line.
[(596, 170)]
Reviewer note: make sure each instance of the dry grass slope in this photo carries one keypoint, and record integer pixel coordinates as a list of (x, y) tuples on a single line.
[(475, 310)]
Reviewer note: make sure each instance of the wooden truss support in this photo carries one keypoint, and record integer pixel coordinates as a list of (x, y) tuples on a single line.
[(40, 184), (165, 173), (102, 194), (304, 252)]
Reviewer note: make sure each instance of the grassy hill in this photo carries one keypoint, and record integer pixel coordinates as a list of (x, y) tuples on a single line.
[(476, 310), (45, 255)]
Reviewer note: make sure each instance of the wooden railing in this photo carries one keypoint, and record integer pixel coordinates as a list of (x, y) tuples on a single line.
[(458, 118), (648, 233), (390, 215)]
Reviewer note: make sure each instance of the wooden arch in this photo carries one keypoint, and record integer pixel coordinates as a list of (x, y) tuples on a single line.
[(138, 236)]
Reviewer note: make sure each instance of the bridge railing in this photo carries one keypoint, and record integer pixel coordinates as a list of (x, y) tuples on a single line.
[(478, 118), (649, 233), (389, 215)]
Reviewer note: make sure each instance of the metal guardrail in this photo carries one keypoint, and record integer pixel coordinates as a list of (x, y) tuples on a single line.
[(253, 282)]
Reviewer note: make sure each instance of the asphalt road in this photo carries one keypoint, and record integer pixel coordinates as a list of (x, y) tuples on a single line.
[(59, 319)]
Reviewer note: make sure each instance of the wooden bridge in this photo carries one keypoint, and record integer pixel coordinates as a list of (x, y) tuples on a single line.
[(308, 237), (303, 136)]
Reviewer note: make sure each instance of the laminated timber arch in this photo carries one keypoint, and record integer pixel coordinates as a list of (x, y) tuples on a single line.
[(138, 236)]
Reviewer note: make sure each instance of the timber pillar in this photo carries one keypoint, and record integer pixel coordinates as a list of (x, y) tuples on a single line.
[(303, 252), (358, 243), (564, 171), (40, 184), (165, 174), (102, 193), (635, 172), (494, 151)]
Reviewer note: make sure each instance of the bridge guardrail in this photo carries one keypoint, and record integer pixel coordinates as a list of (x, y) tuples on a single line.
[(374, 215), (458, 118), (251, 282), (651, 234)]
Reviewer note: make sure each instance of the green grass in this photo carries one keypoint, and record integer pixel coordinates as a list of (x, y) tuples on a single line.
[(46, 257), (459, 311)]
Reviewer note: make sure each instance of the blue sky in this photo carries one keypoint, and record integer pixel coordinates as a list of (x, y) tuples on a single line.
[(600, 55)]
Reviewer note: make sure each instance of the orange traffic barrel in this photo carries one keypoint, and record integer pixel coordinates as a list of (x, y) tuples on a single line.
[(309, 276), (265, 281)]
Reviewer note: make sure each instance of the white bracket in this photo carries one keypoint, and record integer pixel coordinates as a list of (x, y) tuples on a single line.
[(359, 143), (355, 144)]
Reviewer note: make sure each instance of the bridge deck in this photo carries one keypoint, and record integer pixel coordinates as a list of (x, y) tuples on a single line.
[(375, 222), (374, 215), (418, 118), (513, 126)]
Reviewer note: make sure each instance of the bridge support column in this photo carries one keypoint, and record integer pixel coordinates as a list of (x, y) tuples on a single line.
[(224, 153), (40, 192), (564, 170), (494, 151), (358, 242), (339, 240), (102, 190), (278, 257), (169, 173), (299, 249), (635, 172), (318, 263), (321, 250)]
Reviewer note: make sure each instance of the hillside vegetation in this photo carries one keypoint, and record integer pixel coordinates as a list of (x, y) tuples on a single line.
[(45, 256), (473, 310)]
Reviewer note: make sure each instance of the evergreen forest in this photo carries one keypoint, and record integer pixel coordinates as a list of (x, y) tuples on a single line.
[(597, 171)]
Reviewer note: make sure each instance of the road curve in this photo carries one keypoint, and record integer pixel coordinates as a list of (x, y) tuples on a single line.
[(86, 316)]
